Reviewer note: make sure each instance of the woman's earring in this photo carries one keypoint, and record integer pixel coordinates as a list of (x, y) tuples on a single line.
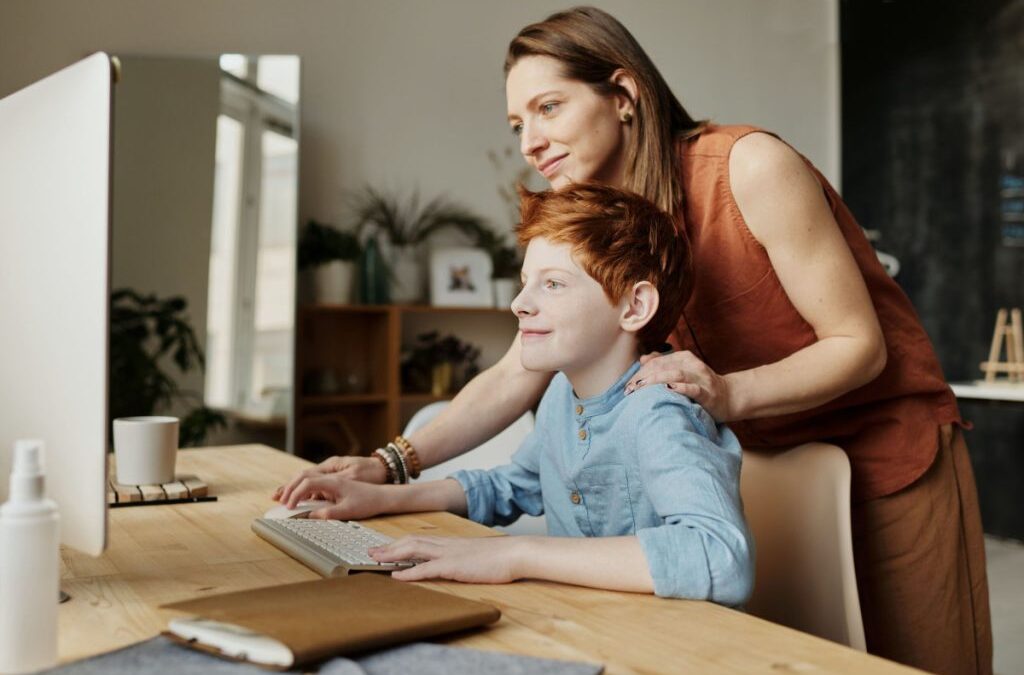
[(627, 117)]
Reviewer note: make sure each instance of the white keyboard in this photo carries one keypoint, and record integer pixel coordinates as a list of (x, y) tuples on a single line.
[(330, 547)]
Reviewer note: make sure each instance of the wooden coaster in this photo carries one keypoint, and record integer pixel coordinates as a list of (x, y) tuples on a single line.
[(184, 487)]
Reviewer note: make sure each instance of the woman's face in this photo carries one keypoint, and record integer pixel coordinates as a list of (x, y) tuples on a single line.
[(566, 130)]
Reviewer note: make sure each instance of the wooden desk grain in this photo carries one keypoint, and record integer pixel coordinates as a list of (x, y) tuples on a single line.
[(159, 554)]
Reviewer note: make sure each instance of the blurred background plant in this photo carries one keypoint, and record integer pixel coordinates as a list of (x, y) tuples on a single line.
[(321, 243), (147, 335), (326, 259), (405, 221), (438, 364)]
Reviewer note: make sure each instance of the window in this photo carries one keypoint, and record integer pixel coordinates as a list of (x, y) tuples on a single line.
[(252, 256)]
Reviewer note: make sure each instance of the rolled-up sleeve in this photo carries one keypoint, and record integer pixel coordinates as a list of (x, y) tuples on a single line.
[(500, 495), (703, 549)]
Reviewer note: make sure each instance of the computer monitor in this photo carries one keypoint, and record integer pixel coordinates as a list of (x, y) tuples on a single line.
[(54, 287)]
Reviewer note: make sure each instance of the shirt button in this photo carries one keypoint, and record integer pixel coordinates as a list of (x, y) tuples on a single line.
[(579, 410), (583, 434), (575, 497)]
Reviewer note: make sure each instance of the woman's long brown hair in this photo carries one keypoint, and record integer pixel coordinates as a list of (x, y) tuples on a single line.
[(591, 45)]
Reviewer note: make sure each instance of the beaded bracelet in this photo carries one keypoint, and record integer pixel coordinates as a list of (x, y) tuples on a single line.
[(396, 455), (387, 469), (400, 458), (409, 454), (392, 474)]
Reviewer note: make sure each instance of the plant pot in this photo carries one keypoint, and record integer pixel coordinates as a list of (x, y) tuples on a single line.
[(407, 275), (332, 283), (441, 379), (504, 292)]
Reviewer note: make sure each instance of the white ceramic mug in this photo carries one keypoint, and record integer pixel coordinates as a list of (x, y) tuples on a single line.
[(146, 449)]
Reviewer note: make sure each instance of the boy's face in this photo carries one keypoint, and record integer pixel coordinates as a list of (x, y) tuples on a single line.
[(566, 321)]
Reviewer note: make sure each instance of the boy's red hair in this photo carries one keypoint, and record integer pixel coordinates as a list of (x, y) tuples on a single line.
[(618, 238)]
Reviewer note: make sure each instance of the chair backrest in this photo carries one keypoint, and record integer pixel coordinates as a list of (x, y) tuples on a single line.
[(494, 452), (797, 505)]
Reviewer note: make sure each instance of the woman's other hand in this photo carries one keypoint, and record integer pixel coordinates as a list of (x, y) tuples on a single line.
[(365, 469), (353, 500), (686, 374), (486, 560)]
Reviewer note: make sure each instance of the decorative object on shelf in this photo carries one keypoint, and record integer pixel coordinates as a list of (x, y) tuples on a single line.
[(326, 261), (505, 291), (373, 276), (438, 364), (506, 257), (460, 277), (1008, 330), (407, 224), (144, 331), (505, 266), (441, 379), (321, 382)]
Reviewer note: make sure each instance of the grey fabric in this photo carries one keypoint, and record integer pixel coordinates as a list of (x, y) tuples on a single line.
[(160, 655), (429, 659)]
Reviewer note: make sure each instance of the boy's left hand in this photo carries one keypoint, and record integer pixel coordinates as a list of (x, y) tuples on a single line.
[(486, 560), (686, 374)]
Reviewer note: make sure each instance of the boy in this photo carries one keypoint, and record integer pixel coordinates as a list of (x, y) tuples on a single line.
[(640, 492)]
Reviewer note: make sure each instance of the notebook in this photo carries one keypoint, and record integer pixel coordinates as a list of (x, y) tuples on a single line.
[(296, 624)]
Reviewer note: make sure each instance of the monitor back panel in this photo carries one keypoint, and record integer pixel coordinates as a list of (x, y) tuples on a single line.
[(54, 287)]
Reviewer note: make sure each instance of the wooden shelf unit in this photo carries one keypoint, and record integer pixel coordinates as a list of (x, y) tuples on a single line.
[(364, 343)]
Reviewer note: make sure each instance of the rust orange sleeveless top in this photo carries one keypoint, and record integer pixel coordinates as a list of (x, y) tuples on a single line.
[(740, 317)]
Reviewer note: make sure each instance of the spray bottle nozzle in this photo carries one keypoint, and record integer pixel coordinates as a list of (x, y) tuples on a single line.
[(27, 470)]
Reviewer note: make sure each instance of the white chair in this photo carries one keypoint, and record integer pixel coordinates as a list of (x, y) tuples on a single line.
[(797, 505), (494, 452)]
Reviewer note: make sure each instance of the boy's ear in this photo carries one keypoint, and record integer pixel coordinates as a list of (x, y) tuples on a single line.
[(641, 304)]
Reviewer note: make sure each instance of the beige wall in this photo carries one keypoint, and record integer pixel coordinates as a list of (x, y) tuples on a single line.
[(165, 117), (409, 93)]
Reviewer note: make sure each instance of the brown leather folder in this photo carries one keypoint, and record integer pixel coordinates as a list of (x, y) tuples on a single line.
[(319, 619)]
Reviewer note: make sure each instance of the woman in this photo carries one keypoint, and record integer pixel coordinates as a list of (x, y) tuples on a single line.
[(793, 332)]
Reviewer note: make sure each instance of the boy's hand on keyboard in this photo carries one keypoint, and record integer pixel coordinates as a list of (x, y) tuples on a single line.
[(488, 560), (352, 499), (366, 469)]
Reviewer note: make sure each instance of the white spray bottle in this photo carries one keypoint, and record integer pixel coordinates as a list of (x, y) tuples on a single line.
[(29, 567)]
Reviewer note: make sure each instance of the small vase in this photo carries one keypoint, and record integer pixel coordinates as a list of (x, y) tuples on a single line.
[(504, 292), (373, 279), (407, 275), (332, 282), (441, 379)]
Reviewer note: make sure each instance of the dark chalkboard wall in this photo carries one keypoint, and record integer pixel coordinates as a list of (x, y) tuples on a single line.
[(933, 126)]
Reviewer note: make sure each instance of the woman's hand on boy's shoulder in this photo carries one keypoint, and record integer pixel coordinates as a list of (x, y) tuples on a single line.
[(684, 373)]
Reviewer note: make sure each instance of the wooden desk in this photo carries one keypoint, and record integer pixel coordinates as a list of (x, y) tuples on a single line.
[(158, 554)]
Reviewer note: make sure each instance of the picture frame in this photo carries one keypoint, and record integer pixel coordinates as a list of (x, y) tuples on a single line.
[(460, 277)]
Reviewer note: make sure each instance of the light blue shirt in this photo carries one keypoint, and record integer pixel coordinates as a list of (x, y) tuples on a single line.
[(652, 464)]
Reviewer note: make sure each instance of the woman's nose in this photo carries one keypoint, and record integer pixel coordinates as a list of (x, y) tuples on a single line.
[(531, 141)]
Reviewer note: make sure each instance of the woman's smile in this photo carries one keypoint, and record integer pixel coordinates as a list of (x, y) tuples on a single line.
[(549, 167)]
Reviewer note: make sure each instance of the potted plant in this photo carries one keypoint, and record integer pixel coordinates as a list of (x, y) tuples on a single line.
[(326, 259), (147, 335), (505, 265), (438, 364), (506, 259), (406, 224)]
